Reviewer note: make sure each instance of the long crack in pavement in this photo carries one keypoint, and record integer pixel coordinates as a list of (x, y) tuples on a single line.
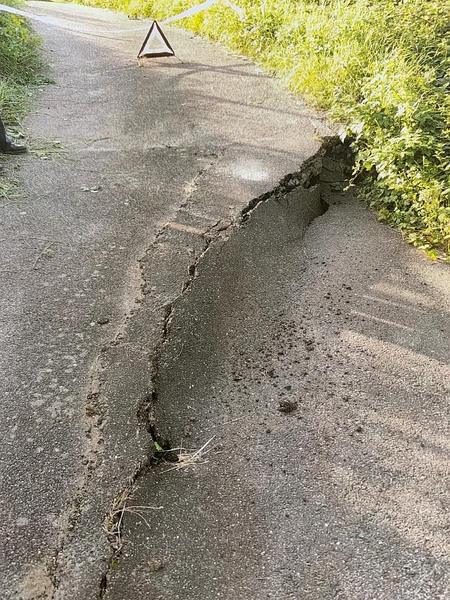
[(307, 177), (306, 346)]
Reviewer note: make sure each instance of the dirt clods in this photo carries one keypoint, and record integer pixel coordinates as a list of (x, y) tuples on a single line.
[(287, 406)]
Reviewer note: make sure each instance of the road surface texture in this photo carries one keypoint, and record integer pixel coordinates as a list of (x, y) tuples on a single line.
[(304, 348)]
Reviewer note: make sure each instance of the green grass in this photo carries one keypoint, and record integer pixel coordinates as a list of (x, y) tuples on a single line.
[(20, 66), (379, 67)]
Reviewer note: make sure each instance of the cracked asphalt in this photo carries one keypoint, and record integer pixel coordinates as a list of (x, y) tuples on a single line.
[(118, 152), (305, 344), (313, 362)]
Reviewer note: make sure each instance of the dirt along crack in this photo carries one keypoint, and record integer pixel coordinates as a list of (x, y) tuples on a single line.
[(97, 409)]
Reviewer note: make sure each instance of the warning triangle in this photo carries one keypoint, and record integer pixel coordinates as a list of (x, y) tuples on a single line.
[(156, 43)]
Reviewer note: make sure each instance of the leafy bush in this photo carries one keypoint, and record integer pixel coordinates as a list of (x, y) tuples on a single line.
[(380, 67), (20, 65)]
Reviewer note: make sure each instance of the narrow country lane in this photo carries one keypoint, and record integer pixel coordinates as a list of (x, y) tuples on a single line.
[(136, 145), (185, 265)]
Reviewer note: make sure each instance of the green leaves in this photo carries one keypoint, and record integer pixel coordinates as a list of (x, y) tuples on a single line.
[(20, 65), (158, 448)]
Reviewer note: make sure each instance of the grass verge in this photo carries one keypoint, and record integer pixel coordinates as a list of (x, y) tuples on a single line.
[(379, 67), (20, 66)]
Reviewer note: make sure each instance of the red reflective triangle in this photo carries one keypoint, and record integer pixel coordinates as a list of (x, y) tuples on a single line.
[(156, 43)]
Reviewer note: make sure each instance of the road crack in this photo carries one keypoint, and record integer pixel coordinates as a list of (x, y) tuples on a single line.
[(189, 238)]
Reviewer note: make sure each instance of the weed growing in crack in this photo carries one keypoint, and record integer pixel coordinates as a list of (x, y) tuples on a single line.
[(114, 520), (189, 458)]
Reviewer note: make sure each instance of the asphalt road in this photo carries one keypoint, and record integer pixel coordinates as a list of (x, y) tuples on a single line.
[(307, 349), (116, 152)]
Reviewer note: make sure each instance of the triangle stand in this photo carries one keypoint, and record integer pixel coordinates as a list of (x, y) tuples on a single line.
[(155, 44)]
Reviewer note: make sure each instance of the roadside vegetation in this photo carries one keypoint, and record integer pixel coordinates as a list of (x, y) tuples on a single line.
[(379, 67), (20, 66)]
